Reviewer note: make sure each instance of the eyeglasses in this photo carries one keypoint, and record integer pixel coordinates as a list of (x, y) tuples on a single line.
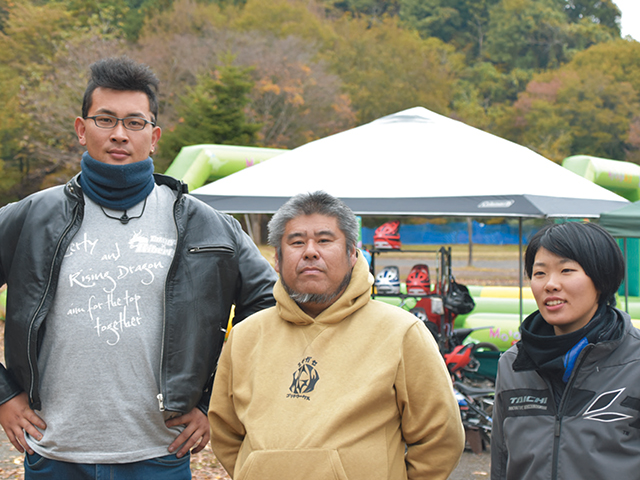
[(130, 123)]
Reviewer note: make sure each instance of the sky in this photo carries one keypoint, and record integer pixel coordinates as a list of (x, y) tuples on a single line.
[(630, 17)]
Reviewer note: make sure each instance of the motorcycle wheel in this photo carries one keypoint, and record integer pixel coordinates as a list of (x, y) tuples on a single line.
[(485, 346)]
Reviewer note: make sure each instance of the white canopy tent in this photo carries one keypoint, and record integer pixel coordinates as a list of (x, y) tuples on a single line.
[(416, 162)]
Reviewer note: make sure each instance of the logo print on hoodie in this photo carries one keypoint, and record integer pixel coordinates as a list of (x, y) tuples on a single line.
[(304, 379)]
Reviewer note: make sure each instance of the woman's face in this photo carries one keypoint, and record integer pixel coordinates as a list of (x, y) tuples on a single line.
[(566, 296)]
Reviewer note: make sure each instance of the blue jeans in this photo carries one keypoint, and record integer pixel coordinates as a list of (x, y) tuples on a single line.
[(169, 467)]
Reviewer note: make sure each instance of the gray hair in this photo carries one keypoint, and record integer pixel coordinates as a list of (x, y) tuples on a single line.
[(308, 204)]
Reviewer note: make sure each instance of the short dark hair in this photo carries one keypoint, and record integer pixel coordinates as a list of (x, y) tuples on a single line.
[(308, 204), (122, 73), (588, 244)]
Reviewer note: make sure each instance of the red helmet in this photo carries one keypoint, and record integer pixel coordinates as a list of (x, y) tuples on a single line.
[(458, 358), (418, 281), (387, 236)]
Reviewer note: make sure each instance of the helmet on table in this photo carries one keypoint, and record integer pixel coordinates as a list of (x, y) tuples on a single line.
[(388, 280), (387, 236), (418, 281)]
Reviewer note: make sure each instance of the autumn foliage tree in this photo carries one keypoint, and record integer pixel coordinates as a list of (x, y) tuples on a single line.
[(550, 74), (213, 111), (572, 112)]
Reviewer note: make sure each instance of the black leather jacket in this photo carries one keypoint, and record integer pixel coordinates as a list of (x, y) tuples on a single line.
[(216, 265)]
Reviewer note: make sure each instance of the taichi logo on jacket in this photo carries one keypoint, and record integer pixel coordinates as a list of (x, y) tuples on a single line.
[(304, 379)]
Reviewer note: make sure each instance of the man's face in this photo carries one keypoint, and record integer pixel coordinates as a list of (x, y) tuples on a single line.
[(118, 146), (314, 261)]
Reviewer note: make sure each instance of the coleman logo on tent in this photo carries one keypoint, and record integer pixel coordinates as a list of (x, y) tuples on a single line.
[(496, 204)]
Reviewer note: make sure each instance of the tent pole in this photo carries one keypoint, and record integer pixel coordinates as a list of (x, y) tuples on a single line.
[(626, 276), (470, 231), (520, 262), (247, 220)]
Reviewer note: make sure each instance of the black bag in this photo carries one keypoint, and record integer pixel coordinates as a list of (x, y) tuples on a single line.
[(458, 299)]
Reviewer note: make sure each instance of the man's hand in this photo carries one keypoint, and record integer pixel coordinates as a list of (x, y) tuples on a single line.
[(196, 432), (16, 417)]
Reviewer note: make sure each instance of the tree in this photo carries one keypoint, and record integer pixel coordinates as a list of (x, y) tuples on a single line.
[(44, 60), (4, 13), (619, 59), (538, 35), (461, 23), (600, 12), (481, 89), (572, 112), (213, 111), (527, 34), (295, 97), (372, 9), (386, 69), (31, 40), (284, 18)]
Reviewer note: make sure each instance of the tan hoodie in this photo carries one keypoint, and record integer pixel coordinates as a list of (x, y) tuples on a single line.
[(335, 397)]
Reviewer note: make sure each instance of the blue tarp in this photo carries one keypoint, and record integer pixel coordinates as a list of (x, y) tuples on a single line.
[(457, 233)]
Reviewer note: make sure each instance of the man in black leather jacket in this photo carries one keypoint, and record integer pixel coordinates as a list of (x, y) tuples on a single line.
[(142, 314)]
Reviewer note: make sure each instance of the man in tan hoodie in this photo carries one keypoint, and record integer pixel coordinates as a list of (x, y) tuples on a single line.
[(330, 384)]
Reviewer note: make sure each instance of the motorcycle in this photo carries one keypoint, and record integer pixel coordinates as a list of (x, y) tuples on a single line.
[(460, 357), (476, 407), (475, 403)]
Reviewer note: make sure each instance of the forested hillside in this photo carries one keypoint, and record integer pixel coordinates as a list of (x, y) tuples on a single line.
[(553, 75)]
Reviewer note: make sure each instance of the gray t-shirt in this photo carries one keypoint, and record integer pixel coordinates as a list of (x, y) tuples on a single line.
[(100, 356)]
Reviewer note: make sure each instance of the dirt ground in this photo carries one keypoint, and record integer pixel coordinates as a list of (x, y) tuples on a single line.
[(490, 265)]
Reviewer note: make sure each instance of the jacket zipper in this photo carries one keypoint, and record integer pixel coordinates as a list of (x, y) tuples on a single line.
[(160, 395), (46, 292), (559, 416), (211, 248)]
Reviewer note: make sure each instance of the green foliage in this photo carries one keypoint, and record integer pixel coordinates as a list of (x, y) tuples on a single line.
[(365, 8), (283, 18), (619, 59), (550, 74), (461, 23), (527, 34), (4, 13), (536, 34), (599, 12), (295, 98), (386, 69), (572, 112), (32, 39), (213, 111), (229, 3), (118, 17), (482, 87)]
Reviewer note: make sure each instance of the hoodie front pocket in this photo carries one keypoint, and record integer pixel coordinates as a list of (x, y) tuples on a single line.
[(313, 464)]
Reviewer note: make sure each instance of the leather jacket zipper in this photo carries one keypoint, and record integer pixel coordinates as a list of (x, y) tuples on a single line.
[(211, 248), (160, 395)]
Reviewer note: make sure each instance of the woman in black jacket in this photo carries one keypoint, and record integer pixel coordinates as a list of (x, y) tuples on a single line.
[(568, 394)]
